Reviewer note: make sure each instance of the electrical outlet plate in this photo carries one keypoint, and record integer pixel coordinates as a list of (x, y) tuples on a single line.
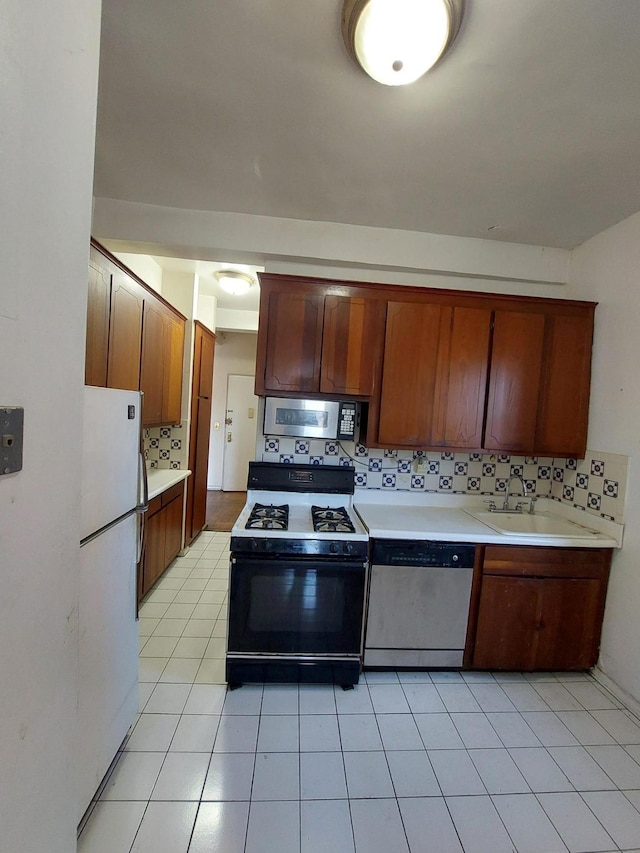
[(11, 438)]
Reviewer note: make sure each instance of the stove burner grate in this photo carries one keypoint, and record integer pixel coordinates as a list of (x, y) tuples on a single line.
[(263, 517), (331, 520)]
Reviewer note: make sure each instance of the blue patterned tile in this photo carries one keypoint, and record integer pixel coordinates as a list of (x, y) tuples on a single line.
[(488, 469), (391, 454), (417, 481), (316, 460), (594, 501), (572, 465), (447, 454), (567, 493), (610, 488), (272, 445), (516, 471), (597, 467), (375, 464), (361, 479), (445, 483), (582, 481), (302, 446), (558, 475), (473, 484), (461, 468), (404, 466), (504, 457), (331, 448), (361, 450), (433, 467), (286, 457), (388, 481), (544, 472)]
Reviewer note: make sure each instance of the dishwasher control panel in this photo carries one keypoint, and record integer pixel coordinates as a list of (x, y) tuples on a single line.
[(398, 552)]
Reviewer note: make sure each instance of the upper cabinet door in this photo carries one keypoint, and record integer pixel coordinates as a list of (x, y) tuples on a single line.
[(564, 401), (463, 359), (173, 357), (151, 371), (98, 300), (514, 383), (125, 335), (409, 373), (351, 345), (434, 375), (293, 342)]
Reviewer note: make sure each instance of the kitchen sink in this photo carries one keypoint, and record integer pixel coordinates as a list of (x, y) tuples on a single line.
[(526, 524)]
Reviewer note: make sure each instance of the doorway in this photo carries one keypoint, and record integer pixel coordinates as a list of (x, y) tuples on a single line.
[(240, 432)]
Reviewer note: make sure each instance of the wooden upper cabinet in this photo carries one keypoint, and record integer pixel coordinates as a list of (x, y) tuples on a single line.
[(566, 380), (514, 385), (538, 400), (98, 301), (463, 360), (351, 345), (125, 334), (409, 373), (161, 365), (434, 375), (293, 342), (173, 358)]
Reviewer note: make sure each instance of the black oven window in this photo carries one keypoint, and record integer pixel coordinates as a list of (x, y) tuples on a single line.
[(299, 603)]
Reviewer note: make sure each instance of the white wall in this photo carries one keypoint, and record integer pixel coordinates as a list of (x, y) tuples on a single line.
[(145, 267), (235, 353), (49, 59), (606, 270)]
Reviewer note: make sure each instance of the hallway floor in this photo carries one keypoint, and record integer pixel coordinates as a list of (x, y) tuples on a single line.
[(438, 762)]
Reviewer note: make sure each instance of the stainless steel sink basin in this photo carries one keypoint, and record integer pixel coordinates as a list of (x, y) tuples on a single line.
[(538, 524)]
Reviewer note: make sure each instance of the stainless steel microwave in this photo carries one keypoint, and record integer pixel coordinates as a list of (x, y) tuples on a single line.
[(330, 419)]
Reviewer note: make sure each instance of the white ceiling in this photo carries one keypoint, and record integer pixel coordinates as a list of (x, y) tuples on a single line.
[(528, 131)]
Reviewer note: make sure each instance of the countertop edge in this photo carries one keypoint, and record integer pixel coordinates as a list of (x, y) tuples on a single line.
[(161, 479)]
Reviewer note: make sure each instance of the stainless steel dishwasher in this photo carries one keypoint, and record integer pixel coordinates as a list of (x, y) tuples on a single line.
[(418, 603)]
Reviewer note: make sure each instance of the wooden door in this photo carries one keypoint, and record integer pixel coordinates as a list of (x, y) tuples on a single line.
[(514, 382), (351, 345), (460, 392), (173, 357), (201, 394), (294, 341), (564, 409), (152, 363), (125, 332), (98, 301)]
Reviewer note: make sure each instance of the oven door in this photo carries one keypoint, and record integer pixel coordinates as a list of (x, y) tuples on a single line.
[(296, 607)]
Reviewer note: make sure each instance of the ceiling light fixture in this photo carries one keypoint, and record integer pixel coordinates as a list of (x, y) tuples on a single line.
[(233, 281), (397, 41)]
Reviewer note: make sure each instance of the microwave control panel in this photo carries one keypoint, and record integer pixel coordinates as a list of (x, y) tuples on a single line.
[(347, 422)]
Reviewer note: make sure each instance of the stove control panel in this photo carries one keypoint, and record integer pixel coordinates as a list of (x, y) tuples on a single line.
[(272, 546)]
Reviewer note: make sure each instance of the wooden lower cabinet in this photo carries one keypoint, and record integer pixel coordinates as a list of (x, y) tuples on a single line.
[(163, 536), (537, 608)]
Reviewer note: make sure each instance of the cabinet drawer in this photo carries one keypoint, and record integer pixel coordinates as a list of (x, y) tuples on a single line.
[(535, 561), (172, 493)]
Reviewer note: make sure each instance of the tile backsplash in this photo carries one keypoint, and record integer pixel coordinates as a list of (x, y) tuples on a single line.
[(596, 484), (166, 447)]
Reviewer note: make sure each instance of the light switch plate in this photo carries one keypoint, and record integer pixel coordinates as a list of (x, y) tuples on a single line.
[(11, 438)]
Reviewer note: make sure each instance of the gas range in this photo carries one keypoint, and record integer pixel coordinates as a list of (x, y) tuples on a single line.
[(301, 516), (298, 579)]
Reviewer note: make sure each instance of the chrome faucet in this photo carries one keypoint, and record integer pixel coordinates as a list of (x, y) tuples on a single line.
[(505, 505)]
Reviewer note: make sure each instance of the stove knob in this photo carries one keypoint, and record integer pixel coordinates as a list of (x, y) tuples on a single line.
[(348, 548), (333, 547)]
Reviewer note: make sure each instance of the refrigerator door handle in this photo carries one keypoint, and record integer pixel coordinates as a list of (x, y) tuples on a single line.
[(143, 485)]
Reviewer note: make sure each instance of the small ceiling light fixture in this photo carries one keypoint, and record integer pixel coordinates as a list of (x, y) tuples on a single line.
[(233, 281), (397, 41)]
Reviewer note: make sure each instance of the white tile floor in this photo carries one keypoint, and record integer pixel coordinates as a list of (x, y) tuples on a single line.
[(419, 762)]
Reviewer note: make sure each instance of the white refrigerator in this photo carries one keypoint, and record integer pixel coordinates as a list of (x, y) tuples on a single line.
[(114, 498)]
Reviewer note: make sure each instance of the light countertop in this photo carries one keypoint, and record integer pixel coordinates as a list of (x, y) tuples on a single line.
[(161, 479), (443, 518)]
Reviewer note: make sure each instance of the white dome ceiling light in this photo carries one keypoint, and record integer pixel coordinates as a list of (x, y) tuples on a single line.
[(397, 41), (235, 282)]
